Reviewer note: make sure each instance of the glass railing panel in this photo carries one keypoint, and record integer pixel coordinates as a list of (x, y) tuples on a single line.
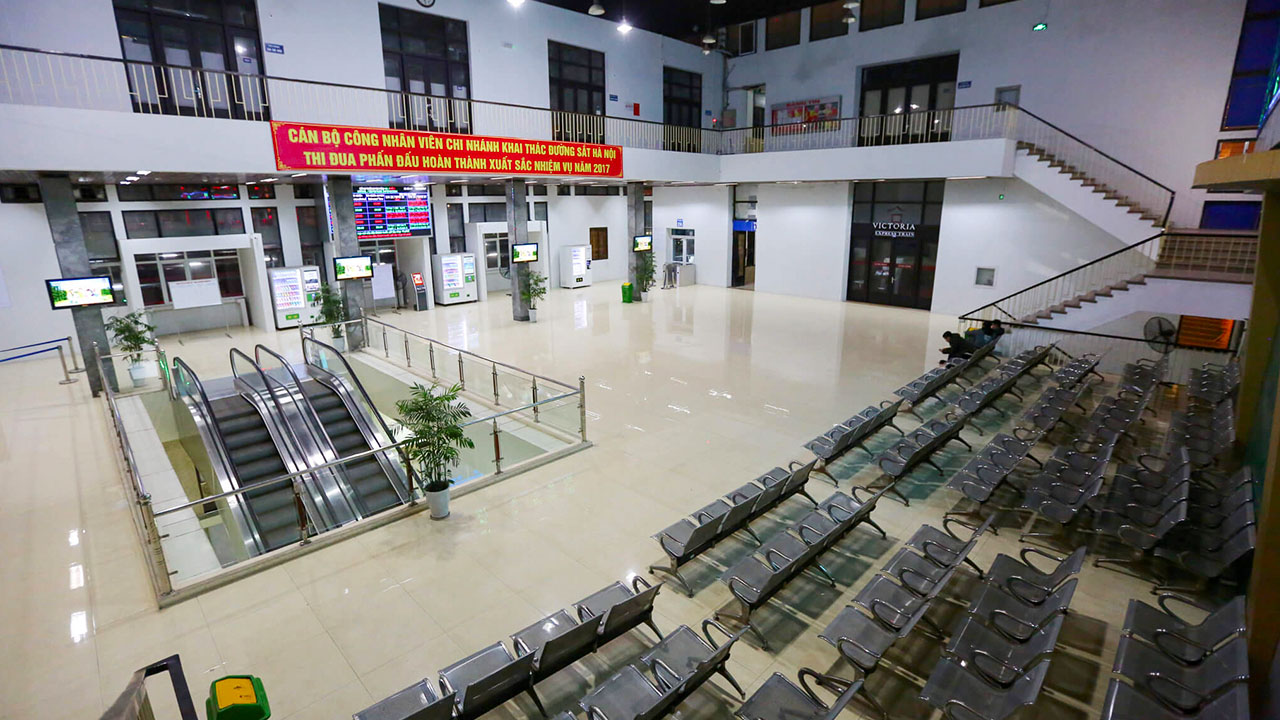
[(562, 416), (145, 373), (515, 389)]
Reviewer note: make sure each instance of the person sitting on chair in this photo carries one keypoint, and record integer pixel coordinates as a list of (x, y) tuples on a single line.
[(957, 346)]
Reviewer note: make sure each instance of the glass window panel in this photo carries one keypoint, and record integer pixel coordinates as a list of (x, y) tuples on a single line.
[(133, 193), (229, 282), (782, 30), (175, 272), (99, 236), (1223, 215), (933, 214), (140, 224), (152, 295), (1245, 101), (308, 227), (880, 13), (200, 269), (266, 223), (933, 8), (229, 221), (826, 20), (862, 212), (261, 192), (893, 212), (1257, 45), (1228, 148), (540, 211), (934, 191), (185, 223)]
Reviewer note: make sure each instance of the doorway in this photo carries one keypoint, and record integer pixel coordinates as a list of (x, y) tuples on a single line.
[(908, 102), (744, 254), (756, 107), (893, 247)]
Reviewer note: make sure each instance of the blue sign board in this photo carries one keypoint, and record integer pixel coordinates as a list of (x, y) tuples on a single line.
[(965, 84), (744, 225), (275, 48), (613, 98)]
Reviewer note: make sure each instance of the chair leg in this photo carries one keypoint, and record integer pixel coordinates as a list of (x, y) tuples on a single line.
[(823, 470), (895, 427), (537, 701), (864, 449), (724, 673), (875, 704), (653, 626), (963, 442), (905, 502), (674, 572), (753, 535), (974, 565), (807, 496), (932, 464), (825, 574), (1035, 460), (879, 529)]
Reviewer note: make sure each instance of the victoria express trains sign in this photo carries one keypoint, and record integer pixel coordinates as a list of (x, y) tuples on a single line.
[(305, 146)]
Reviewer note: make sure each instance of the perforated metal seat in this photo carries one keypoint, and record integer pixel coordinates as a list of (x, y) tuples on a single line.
[(780, 699), (1187, 688), (1188, 643), (962, 695)]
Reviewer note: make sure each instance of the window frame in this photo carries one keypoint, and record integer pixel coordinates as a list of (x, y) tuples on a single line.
[(598, 233), (1237, 75), (843, 27)]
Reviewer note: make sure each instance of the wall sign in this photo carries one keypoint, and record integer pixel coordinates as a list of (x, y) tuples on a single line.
[(307, 146), (744, 225), (965, 84), (613, 98), (805, 116), (276, 48)]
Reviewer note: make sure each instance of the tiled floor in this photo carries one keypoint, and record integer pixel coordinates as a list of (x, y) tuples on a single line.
[(689, 396)]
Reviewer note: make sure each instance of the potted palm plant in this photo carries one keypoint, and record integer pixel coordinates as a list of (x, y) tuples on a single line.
[(133, 336), (645, 274), (434, 439), (333, 312), (532, 289)]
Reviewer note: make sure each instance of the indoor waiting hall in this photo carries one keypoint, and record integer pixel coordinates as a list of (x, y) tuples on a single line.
[(606, 360)]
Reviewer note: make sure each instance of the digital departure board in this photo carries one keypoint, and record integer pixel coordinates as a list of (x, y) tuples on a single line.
[(391, 212)]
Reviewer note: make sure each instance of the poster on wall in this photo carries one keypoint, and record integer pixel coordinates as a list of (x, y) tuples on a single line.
[(805, 116)]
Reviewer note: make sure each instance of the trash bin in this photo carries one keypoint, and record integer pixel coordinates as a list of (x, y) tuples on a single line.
[(626, 292)]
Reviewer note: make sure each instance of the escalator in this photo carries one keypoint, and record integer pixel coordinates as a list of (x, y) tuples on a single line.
[(373, 486), (256, 459)]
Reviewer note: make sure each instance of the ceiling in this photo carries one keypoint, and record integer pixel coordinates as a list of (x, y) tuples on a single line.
[(684, 19)]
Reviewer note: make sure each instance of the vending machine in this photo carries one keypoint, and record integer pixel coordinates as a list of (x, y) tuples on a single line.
[(455, 278), (295, 295), (575, 266)]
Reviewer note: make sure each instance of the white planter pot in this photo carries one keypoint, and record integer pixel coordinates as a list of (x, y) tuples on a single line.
[(439, 504), (339, 343), (533, 315), (644, 296), (140, 371)]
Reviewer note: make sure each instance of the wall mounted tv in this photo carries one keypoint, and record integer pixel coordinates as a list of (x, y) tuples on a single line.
[(643, 243), (353, 268), (524, 252), (80, 292), (391, 212)]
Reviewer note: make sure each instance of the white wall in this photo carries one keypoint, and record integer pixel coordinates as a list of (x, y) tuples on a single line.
[(802, 239), (27, 259), (1027, 237), (1107, 71), (569, 221), (905, 162), (708, 210)]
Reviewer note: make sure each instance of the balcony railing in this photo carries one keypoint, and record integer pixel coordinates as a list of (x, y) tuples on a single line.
[(36, 77)]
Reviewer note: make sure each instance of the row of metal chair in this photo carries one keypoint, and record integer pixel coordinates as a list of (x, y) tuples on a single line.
[(1209, 432), (929, 384), (689, 538), (853, 433), (1077, 368), (1214, 384), (758, 577), (917, 448), (490, 677), (1169, 668)]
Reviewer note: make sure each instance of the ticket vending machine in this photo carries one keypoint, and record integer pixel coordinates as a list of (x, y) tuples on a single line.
[(419, 285), (295, 295), (455, 278), (575, 266)]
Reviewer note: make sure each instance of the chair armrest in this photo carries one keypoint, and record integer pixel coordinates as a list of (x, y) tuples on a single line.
[(769, 559), (902, 573), (972, 528), (877, 602), (1163, 633), (706, 631), (636, 581), (803, 676), (1043, 553), (595, 713), (1009, 585), (853, 491), (659, 669), (794, 464), (1150, 681), (743, 583), (1019, 621), (1164, 598), (948, 714), (993, 679)]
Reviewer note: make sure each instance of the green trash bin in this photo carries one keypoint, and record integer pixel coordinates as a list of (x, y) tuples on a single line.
[(626, 292), (237, 697)]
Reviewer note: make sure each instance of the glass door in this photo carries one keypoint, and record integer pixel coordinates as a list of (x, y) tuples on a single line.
[(859, 264), (906, 271), (881, 286)]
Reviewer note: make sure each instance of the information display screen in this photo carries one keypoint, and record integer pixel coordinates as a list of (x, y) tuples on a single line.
[(79, 292), (353, 268), (391, 212), (524, 252), (644, 243)]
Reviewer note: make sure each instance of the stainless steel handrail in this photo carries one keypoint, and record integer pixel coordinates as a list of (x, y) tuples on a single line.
[(219, 439), (310, 412)]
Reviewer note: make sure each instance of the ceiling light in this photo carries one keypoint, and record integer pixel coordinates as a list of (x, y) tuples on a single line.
[(298, 175), (124, 182), (852, 4), (1040, 26), (132, 178), (270, 179), (515, 3), (708, 39), (143, 172), (717, 2), (624, 27), (595, 9), (849, 17)]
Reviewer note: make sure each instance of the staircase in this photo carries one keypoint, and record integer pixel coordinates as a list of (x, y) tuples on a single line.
[(1119, 199), (1078, 301)]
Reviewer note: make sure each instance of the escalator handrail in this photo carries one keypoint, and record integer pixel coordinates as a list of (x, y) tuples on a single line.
[(413, 478), (313, 418), (207, 408)]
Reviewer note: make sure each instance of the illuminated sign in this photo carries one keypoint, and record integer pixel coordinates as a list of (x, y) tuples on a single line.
[(353, 268), (79, 292)]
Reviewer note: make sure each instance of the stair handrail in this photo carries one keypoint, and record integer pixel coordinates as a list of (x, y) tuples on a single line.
[(220, 442), (312, 417), (364, 394), (995, 304), (1094, 148)]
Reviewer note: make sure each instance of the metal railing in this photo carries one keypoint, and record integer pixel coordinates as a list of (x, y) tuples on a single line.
[(1182, 254), (133, 703), (47, 346), (29, 76)]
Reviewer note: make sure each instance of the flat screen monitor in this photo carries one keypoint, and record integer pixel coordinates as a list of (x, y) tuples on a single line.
[(79, 292), (644, 243), (353, 268), (524, 252), (391, 212)]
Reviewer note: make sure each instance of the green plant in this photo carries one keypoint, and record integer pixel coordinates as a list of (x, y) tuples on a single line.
[(332, 310), (132, 334), (435, 435), (533, 287), (645, 271)]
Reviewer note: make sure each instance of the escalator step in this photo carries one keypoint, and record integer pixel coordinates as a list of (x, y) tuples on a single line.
[(243, 423), (264, 469), (275, 498), (333, 415), (348, 443), (249, 453), (359, 470), (237, 440)]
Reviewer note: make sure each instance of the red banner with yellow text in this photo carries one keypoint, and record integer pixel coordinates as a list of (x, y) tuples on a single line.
[(306, 146)]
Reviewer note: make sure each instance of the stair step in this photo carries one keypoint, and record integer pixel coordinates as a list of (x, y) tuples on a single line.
[(1072, 303)]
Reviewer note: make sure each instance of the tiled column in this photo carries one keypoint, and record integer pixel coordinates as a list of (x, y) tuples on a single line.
[(342, 206), (635, 226), (73, 261), (517, 233)]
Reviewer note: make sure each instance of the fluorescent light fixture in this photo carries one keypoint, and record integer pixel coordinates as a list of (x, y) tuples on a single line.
[(624, 27), (132, 178), (298, 175), (456, 182), (708, 39), (969, 177), (142, 172), (270, 179), (852, 4), (717, 2), (595, 9), (515, 3), (1040, 26), (125, 182), (502, 177)]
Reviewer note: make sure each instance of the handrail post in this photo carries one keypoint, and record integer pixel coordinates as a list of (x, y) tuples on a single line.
[(62, 358), (386, 349), (497, 449), (431, 355), (75, 362), (535, 399), (154, 544), (462, 377), (407, 361), (582, 407), (495, 385), (301, 509)]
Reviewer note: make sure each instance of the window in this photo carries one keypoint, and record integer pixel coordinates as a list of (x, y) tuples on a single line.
[(577, 86), (490, 190), (881, 13), (209, 49), (229, 221), (598, 190), (155, 272), (306, 191), (90, 193), (540, 211), (985, 277), (488, 212), (740, 39), (1247, 93), (142, 193), (24, 193), (382, 250), (309, 236), (681, 108), (497, 251), (599, 243), (564, 190), (1229, 215), (182, 223), (782, 30), (457, 226), (185, 223), (99, 236), (1230, 148), (827, 21), (926, 9), (261, 192), (267, 224), (426, 55), (989, 3), (537, 189), (648, 217), (904, 202)]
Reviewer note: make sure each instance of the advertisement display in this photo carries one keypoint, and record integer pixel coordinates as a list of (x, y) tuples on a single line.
[(643, 243), (804, 116), (524, 253), (455, 278), (308, 146), (295, 295), (353, 268), (79, 292), (391, 212)]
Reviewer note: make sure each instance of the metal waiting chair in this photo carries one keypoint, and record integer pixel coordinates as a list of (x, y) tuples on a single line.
[(1125, 702), (994, 657), (686, 539), (1015, 619), (945, 548), (1184, 688), (1029, 584), (962, 695), (419, 701), (557, 641), (1188, 643), (677, 657), (488, 678), (780, 699), (623, 608)]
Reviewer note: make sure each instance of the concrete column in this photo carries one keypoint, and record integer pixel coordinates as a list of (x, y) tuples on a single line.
[(517, 233), (347, 244), (73, 261), (635, 226)]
